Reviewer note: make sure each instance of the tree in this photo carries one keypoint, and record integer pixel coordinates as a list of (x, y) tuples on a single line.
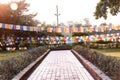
[(103, 24), (106, 6), (19, 16)]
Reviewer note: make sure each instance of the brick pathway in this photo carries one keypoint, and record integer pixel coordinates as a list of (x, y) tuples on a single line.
[(60, 65)]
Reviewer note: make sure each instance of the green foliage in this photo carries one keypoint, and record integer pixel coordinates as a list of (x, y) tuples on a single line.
[(0, 49), (79, 34), (45, 34), (103, 42), (23, 43), (11, 67), (54, 34), (34, 42), (109, 65), (103, 6), (61, 47)]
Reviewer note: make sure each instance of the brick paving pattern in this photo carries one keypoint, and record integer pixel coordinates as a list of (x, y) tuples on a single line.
[(60, 65)]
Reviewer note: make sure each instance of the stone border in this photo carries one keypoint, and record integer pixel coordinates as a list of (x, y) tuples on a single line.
[(95, 72), (27, 71)]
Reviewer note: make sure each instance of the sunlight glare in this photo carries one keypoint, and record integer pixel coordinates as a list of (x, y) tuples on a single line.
[(14, 6)]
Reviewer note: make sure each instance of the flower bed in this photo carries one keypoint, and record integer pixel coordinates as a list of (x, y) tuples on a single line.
[(109, 65), (11, 67)]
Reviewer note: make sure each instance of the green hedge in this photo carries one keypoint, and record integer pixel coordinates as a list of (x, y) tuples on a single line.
[(11, 67), (61, 47), (109, 65)]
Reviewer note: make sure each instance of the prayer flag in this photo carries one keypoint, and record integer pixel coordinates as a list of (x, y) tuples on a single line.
[(14, 27), (65, 29), (3, 25), (49, 29), (28, 28), (7, 26), (88, 28), (42, 28), (35, 28), (73, 29), (18, 27), (25, 28), (21, 27), (79, 29), (38, 29), (11, 26), (58, 29), (31, 28), (0, 25)]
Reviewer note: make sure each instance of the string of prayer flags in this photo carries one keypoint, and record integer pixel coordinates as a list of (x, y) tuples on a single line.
[(65, 29)]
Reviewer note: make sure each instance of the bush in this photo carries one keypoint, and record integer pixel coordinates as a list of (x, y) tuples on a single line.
[(11, 67), (61, 47), (0, 49), (109, 65)]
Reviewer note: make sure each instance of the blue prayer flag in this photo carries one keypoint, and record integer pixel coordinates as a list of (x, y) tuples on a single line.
[(28, 28), (3, 25), (21, 27)]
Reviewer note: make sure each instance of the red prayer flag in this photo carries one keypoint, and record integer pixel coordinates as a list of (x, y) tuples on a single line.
[(7, 26)]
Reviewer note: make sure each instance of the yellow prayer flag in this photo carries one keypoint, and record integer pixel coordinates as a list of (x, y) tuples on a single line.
[(31, 28)]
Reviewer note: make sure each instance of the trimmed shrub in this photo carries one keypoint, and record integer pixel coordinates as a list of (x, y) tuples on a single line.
[(109, 65), (11, 67), (61, 47)]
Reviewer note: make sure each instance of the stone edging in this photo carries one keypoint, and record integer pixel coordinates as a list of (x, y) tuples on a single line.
[(26, 71), (97, 73)]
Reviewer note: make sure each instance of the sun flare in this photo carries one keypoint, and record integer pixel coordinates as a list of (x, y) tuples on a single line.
[(14, 6)]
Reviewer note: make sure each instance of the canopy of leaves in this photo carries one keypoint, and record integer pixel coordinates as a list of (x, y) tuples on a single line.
[(19, 16), (105, 6)]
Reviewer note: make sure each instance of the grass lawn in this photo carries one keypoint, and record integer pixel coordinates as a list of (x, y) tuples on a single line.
[(110, 52), (7, 55)]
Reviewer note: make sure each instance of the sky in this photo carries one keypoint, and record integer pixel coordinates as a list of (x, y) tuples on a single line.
[(70, 10)]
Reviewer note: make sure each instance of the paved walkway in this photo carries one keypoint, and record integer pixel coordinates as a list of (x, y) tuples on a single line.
[(60, 65)]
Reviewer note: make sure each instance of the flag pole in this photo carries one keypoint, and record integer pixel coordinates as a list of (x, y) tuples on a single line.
[(57, 14)]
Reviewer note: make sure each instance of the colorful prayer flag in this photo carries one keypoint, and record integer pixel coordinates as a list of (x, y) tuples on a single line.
[(88, 28), (7, 26), (21, 27), (28, 28), (0, 25), (18, 27), (65, 30), (49, 29), (11, 26), (73, 29), (25, 28), (58, 29), (14, 27), (79, 29), (38, 29), (35, 28), (31, 28), (3, 25)]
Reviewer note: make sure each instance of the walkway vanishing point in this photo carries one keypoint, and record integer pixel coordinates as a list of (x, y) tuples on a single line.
[(60, 65)]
